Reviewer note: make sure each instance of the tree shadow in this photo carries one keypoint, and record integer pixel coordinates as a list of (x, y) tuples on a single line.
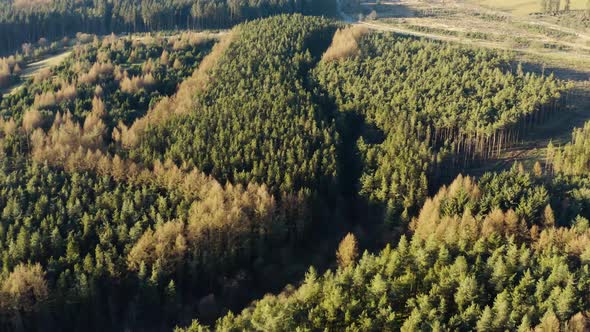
[(561, 73), (388, 9)]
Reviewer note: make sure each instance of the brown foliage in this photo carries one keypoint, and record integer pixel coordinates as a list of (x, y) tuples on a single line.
[(24, 288), (84, 38), (348, 251), (345, 43), (136, 83), (31, 120), (578, 323), (188, 38), (8, 66), (222, 219), (464, 228), (165, 58), (9, 126), (181, 103), (94, 128), (454, 230), (177, 64), (566, 240), (167, 244), (48, 99), (42, 75), (97, 71), (448, 228), (548, 216)]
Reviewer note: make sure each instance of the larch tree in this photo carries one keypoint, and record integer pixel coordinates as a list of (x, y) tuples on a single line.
[(348, 251)]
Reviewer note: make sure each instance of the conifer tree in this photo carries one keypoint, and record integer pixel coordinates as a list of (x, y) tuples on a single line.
[(348, 251)]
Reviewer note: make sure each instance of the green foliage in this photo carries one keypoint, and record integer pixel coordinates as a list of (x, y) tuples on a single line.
[(257, 121), (428, 100), (98, 238), (110, 237), (465, 277), (29, 20), (118, 56), (574, 157)]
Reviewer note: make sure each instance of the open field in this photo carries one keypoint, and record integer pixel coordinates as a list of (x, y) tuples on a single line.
[(478, 26), (521, 7)]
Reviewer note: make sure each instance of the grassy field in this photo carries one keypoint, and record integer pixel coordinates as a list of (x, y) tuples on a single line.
[(534, 37), (521, 7)]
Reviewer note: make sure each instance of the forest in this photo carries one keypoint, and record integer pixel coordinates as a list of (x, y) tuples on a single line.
[(487, 255), (287, 174), (26, 21)]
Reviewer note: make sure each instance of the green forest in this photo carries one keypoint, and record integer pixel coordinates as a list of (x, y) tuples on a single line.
[(26, 21), (287, 173)]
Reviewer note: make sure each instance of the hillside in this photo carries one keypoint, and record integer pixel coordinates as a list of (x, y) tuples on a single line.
[(417, 169)]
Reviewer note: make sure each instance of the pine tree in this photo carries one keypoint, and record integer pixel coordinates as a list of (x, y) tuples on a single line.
[(565, 306), (466, 292), (525, 325), (25, 288), (549, 323), (485, 321)]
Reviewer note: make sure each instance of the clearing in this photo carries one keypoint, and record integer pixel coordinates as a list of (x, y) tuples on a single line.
[(34, 67)]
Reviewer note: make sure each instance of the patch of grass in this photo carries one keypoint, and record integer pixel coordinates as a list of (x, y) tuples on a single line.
[(491, 17), (519, 42), (480, 35), (445, 32), (432, 31)]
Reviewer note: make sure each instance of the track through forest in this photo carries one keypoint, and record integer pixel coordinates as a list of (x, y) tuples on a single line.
[(33, 68)]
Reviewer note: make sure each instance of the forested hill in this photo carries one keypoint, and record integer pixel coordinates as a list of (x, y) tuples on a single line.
[(25, 21), (509, 252), (136, 195)]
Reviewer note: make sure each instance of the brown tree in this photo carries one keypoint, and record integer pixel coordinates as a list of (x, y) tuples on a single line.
[(348, 251), (25, 288), (548, 216)]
